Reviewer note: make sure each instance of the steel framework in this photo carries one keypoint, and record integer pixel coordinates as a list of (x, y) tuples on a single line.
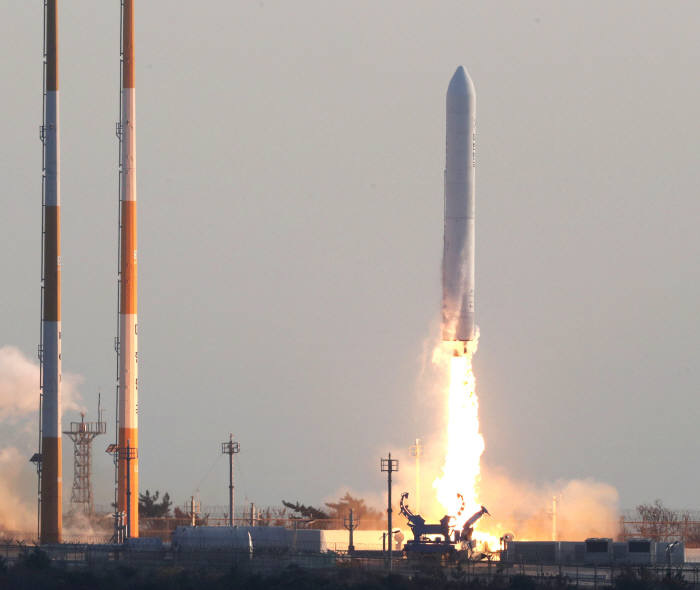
[(83, 434)]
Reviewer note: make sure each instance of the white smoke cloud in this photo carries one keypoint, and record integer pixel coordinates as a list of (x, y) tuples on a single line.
[(19, 387), (585, 507), (17, 486), (19, 407)]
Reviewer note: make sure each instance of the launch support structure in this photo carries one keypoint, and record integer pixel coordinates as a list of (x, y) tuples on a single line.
[(83, 434), (127, 343), (49, 456)]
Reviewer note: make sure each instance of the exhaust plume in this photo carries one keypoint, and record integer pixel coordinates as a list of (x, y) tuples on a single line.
[(19, 406)]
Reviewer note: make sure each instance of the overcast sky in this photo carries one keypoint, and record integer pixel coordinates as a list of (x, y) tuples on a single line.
[(290, 184)]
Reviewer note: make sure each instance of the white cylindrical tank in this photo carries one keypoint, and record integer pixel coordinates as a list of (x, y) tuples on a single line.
[(187, 538)]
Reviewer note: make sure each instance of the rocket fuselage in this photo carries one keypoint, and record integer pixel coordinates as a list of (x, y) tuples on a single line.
[(51, 464), (458, 321), (128, 483)]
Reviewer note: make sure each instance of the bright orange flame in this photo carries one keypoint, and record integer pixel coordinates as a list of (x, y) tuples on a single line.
[(465, 445), (460, 473)]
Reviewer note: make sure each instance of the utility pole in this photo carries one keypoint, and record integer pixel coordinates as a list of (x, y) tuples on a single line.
[(351, 524), (416, 451), (389, 466), (230, 448)]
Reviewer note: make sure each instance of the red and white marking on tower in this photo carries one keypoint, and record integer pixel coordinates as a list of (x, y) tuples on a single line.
[(51, 516), (128, 483)]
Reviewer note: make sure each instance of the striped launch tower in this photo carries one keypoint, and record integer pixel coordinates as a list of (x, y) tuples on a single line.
[(127, 349), (51, 504)]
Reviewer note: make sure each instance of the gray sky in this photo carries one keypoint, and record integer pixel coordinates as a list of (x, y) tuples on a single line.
[(290, 161)]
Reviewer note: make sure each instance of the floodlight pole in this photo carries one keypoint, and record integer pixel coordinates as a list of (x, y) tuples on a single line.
[(416, 451), (230, 448), (351, 524), (389, 466)]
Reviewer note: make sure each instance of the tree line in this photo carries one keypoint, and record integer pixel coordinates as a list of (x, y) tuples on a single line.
[(659, 523), (329, 516)]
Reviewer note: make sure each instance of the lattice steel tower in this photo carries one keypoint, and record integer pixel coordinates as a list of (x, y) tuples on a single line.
[(82, 434)]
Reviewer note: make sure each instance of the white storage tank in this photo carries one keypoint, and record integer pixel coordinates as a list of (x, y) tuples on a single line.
[(187, 538), (307, 540), (269, 538)]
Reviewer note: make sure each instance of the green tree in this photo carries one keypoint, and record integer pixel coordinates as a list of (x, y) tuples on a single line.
[(369, 517), (149, 506), (306, 511)]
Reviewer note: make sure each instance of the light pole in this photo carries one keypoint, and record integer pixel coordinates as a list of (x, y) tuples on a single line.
[(230, 448), (389, 466), (416, 451), (351, 524)]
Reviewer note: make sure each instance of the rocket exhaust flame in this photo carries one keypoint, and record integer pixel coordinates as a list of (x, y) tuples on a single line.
[(457, 486)]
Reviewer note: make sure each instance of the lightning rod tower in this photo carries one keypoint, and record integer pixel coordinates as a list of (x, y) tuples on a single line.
[(83, 434)]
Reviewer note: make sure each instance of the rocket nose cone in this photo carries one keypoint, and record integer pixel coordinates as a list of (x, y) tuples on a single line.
[(461, 83)]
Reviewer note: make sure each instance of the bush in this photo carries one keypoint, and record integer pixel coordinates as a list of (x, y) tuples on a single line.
[(35, 559)]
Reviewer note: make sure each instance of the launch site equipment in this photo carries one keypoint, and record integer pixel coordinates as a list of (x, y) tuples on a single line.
[(422, 544), (389, 466), (230, 448)]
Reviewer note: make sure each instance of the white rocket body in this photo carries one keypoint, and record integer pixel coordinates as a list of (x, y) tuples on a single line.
[(458, 321)]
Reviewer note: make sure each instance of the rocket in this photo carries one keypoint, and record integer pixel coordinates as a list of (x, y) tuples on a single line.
[(458, 323), (51, 515), (127, 351)]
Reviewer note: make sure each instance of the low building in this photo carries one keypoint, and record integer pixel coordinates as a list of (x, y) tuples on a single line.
[(595, 552)]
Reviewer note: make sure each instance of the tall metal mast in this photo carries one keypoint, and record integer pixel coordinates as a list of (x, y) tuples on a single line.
[(49, 460), (127, 344), (230, 448)]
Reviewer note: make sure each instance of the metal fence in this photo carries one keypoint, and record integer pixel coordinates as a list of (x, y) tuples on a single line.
[(81, 556)]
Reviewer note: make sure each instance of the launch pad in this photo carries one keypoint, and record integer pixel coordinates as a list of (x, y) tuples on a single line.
[(426, 537)]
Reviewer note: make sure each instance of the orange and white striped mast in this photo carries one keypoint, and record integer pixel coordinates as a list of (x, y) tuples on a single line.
[(127, 350), (51, 498)]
